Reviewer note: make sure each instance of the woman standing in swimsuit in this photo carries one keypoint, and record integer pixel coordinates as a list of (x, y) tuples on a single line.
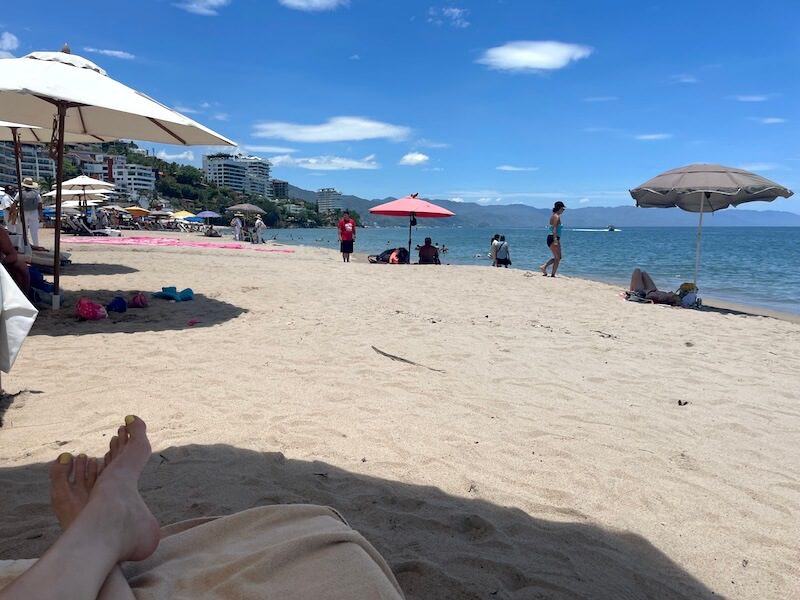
[(554, 239)]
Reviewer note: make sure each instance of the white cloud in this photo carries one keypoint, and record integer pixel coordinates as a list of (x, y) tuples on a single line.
[(426, 143), (314, 5), (762, 166), (601, 99), (754, 98), (685, 78), (651, 137), (325, 163), (8, 43), (456, 199), (355, 57), (455, 17), (221, 116), (187, 156), (188, 110), (533, 56), (413, 159), (336, 129), (513, 168), (112, 53), (584, 200), (769, 120), (269, 149), (208, 8)]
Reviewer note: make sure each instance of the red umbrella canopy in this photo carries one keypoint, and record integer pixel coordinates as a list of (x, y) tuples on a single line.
[(411, 205)]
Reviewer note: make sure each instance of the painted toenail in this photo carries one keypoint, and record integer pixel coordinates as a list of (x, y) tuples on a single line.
[(64, 458), (129, 420)]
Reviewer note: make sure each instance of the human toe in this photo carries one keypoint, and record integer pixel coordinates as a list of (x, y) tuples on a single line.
[(80, 469), (61, 469)]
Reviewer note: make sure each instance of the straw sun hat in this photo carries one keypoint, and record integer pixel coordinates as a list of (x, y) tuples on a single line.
[(29, 183)]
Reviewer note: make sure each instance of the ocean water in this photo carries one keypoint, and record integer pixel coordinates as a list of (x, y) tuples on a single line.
[(748, 265)]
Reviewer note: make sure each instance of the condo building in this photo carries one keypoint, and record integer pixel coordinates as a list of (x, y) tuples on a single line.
[(245, 174), (328, 200)]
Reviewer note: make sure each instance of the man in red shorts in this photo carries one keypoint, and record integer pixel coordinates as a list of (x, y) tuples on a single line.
[(347, 235)]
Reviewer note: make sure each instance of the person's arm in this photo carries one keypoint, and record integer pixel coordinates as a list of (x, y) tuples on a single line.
[(40, 208), (555, 221)]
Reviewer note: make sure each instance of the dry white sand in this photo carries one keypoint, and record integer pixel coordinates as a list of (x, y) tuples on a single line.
[(535, 450)]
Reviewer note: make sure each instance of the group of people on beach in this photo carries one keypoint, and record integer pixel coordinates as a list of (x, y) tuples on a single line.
[(241, 232)]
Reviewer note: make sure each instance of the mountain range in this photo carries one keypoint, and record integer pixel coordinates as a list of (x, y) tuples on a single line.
[(469, 214)]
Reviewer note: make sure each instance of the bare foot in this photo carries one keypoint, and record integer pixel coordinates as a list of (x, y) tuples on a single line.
[(71, 482), (115, 506)]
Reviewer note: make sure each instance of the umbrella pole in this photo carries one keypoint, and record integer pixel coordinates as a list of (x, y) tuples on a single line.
[(62, 114), (17, 163), (699, 236), (410, 220)]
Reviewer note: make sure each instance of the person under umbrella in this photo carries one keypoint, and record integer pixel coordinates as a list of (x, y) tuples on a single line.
[(30, 202)]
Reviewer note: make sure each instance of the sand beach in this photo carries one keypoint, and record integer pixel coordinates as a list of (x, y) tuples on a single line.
[(493, 433)]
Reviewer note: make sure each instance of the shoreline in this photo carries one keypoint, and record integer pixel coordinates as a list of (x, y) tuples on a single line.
[(710, 303)]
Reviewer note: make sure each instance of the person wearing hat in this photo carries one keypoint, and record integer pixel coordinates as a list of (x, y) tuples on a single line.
[(554, 239), (237, 224), (260, 230), (30, 201), (347, 235)]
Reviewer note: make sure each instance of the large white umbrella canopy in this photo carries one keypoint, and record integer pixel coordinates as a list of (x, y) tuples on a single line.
[(77, 193), (703, 188), (69, 94)]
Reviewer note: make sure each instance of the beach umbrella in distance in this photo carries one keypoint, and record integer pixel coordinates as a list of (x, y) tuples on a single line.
[(137, 211), (182, 214), (246, 208), (703, 188), (209, 214), (30, 134), (411, 207), (71, 94)]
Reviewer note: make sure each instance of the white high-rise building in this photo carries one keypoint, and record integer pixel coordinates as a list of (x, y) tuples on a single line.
[(128, 177), (328, 200), (35, 163), (246, 174)]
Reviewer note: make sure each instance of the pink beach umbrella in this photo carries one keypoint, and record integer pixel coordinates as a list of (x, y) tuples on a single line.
[(411, 207)]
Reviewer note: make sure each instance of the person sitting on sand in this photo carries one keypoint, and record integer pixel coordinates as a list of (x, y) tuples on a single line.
[(428, 254), (106, 522), (211, 232), (643, 286), (14, 263)]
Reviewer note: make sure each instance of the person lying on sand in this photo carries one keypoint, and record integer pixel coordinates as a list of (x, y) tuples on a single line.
[(14, 263), (643, 286), (105, 522)]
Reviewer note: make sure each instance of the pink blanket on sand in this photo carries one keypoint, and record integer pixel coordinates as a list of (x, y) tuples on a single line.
[(153, 241)]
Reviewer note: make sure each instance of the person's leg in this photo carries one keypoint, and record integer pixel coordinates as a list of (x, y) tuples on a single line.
[(636, 281), (32, 221), (556, 249), (71, 482), (647, 282), (115, 525)]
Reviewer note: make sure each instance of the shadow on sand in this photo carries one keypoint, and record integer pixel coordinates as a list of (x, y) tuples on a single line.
[(159, 315), (439, 545), (75, 269)]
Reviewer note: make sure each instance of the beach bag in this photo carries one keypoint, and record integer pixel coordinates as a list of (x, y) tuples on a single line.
[(89, 311)]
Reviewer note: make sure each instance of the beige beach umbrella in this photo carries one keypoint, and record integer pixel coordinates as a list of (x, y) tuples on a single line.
[(70, 94), (703, 188)]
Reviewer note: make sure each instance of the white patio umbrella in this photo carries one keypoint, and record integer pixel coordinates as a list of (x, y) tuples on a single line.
[(85, 187), (20, 133), (70, 94)]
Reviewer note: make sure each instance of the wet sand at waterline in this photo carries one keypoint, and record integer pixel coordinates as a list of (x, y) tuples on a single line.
[(530, 443)]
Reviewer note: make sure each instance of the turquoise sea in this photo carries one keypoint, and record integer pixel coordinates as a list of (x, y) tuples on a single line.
[(747, 265)]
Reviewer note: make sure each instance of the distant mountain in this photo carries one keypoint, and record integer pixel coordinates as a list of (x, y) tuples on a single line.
[(469, 214)]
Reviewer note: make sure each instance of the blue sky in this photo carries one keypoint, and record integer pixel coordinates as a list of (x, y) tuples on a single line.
[(491, 101)]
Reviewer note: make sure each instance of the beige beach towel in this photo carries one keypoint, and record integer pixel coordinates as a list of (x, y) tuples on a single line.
[(286, 552)]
